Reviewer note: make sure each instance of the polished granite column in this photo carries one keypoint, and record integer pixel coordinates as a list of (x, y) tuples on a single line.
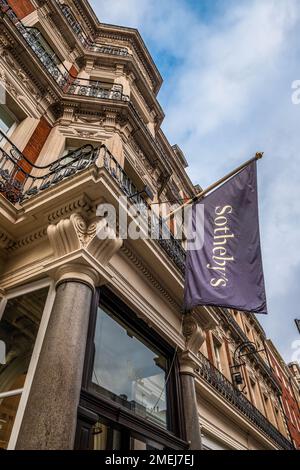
[(50, 416)]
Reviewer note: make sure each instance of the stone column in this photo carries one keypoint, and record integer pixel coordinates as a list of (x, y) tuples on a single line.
[(78, 265), (50, 416), (194, 325), (190, 405)]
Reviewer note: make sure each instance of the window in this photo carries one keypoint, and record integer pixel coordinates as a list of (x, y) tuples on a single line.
[(18, 330), (107, 437), (7, 119), (128, 370), (217, 351), (131, 391), (253, 392)]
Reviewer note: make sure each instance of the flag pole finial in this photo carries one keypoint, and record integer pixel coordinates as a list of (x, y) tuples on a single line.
[(259, 155)]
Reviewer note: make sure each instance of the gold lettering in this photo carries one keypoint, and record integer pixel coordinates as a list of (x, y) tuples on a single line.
[(223, 210), (218, 282)]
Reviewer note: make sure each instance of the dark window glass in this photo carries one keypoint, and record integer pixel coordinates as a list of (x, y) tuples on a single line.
[(108, 437), (128, 370)]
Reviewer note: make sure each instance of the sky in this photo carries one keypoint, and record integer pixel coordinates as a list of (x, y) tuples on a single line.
[(228, 68)]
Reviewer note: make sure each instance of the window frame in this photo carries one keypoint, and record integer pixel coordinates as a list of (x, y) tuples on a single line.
[(24, 392), (16, 121), (101, 407)]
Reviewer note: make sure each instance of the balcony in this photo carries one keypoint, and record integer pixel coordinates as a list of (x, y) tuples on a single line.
[(225, 388), (21, 180), (84, 39), (74, 86), (68, 83)]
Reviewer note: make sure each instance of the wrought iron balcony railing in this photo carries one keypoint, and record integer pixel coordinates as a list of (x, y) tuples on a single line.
[(225, 388), (68, 83), (20, 180), (171, 245), (84, 39)]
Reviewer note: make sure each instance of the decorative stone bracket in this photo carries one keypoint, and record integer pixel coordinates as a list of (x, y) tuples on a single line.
[(80, 250), (195, 324)]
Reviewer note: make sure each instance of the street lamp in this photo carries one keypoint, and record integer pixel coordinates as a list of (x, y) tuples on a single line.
[(244, 349)]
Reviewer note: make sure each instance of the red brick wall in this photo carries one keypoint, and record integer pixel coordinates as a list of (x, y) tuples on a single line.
[(22, 8), (209, 348), (73, 74), (33, 148), (288, 401), (73, 71)]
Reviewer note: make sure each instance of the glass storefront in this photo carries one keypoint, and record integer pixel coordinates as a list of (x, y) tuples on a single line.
[(107, 437), (128, 370), (131, 390), (19, 326)]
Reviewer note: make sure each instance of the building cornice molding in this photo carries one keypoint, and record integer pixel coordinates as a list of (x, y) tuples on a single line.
[(128, 253), (145, 310), (211, 429)]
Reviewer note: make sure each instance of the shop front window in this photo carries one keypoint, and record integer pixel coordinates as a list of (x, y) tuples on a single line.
[(108, 437), (7, 119), (19, 326), (128, 370)]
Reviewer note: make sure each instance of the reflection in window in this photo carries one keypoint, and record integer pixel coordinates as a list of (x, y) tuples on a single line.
[(18, 330), (8, 411), (127, 370), (7, 120)]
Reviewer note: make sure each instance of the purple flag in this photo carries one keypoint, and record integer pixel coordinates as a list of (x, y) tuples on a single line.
[(227, 270)]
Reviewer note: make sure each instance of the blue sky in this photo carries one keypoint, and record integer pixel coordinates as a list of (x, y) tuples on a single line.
[(228, 67)]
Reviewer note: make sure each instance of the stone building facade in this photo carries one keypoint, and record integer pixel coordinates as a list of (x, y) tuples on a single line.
[(98, 352)]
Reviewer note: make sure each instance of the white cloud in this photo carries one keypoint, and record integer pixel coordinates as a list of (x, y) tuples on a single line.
[(227, 96)]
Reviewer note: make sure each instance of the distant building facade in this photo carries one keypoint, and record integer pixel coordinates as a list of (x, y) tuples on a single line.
[(98, 352), (290, 386)]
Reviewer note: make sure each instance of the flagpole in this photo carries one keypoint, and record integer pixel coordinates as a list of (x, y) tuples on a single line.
[(200, 195)]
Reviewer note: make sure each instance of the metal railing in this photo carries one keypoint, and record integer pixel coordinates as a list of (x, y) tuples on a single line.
[(83, 37), (21, 179), (165, 238), (225, 388), (68, 83)]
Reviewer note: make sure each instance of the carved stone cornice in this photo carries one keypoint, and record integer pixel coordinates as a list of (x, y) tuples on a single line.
[(145, 271), (36, 236), (82, 204), (5, 240)]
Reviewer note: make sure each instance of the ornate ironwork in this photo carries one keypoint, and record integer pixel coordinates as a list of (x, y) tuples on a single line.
[(165, 238), (84, 39), (65, 80), (20, 179), (222, 385)]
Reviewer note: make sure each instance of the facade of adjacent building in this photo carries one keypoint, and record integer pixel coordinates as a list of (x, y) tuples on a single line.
[(290, 398), (98, 352)]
